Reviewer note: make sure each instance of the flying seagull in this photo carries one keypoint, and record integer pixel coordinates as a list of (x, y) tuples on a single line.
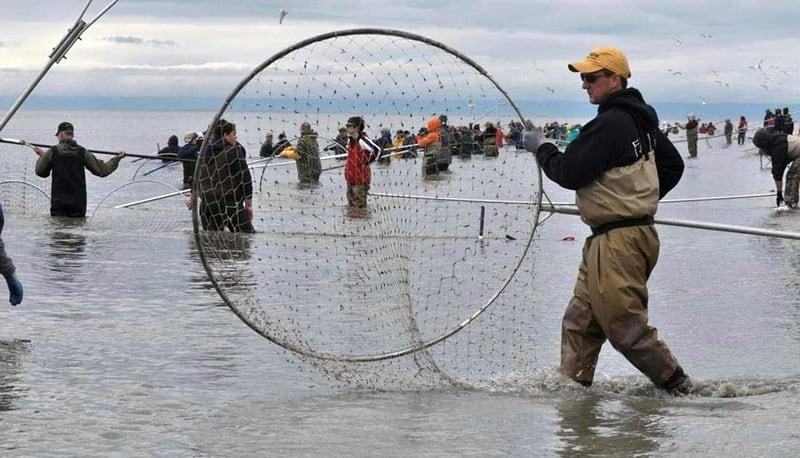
[(283, 14)]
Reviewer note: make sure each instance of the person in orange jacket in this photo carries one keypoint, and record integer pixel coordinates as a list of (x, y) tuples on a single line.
[(431, 144)]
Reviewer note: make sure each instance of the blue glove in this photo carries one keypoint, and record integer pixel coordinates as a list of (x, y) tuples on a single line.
[(532, 139), (15, 290)]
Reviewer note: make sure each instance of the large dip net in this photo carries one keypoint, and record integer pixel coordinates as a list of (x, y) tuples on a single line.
[(430, 284)]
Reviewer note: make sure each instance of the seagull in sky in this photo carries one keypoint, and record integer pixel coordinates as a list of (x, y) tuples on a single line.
[(705, 35), (702, 100), (536, 68), (550, 89), (283, 14), (677, 40)]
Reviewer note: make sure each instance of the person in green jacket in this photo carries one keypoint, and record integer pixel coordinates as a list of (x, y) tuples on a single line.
[(691, 135), (309, 165)]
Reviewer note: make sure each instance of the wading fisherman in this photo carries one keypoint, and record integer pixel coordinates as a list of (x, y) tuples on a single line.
[(309, 165), (67, 161), (784, 150), (620, 166), (225, 186), (432, 145), (361, 152), (691, 135), (171, 150), (189, 152)]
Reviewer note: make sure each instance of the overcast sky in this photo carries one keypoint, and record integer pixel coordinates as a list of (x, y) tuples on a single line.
[(680, 51)]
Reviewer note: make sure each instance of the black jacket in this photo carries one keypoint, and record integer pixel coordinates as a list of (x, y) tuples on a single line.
[(774, 144), (623, 130)]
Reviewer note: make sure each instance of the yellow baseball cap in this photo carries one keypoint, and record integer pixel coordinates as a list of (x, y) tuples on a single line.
[(600, 58)]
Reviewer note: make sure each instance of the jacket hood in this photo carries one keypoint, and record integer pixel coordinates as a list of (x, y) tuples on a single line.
[(69, 147), (173, 140), (434, 124), (765, 138), (631, 100)]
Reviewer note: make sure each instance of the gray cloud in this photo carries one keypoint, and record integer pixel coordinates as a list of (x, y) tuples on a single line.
[(140, 41), (125, 40), (681, 51)]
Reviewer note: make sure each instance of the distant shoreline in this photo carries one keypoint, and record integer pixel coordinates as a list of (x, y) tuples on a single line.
[(550, 110)]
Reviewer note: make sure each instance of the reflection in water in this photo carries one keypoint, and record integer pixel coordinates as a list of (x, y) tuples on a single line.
[(67, 250), (11, 354), (199, 280), (227, 256), (594, 425)]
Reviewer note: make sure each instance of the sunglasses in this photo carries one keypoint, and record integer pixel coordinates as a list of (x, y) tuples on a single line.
[(592, 77)]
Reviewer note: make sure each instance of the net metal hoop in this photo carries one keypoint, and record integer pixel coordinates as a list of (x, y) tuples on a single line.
[(44, 193), (125, 185), (424, 344)]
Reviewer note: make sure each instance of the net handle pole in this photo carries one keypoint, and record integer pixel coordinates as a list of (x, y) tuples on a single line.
[(265, 161), (15, 141), (155, 198), (162, 166), (571, 204), (693, 224), (59, 52), (572, 210)]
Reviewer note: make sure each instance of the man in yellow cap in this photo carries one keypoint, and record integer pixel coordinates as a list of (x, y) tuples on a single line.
[(620, 165)]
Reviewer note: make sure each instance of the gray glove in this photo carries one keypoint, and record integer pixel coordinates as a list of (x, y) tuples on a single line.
[(532, 139)]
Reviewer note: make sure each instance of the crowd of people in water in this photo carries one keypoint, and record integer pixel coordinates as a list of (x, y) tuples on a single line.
[(464, 140), (486, 139), (780, 120), (438, 142)]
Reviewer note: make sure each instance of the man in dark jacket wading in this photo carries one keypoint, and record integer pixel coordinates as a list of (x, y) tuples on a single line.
[(67, 161)]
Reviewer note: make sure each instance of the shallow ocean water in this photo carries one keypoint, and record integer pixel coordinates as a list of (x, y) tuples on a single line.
[(122, 347)]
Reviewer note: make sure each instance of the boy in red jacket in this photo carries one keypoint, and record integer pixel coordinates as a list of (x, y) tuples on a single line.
[(361, 151)]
